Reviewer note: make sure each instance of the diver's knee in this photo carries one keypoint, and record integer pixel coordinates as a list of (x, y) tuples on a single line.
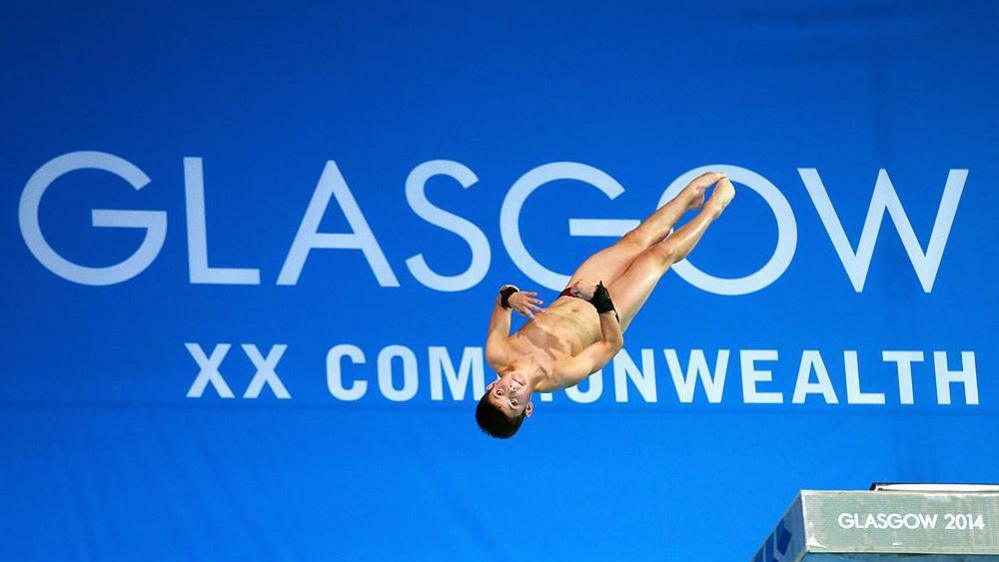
[(636, 239), (668, 252)]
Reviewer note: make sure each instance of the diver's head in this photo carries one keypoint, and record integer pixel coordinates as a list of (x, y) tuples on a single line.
[(505, 404)]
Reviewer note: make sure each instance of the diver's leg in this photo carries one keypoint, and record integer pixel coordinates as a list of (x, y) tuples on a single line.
[(630, 291), (609, 263)]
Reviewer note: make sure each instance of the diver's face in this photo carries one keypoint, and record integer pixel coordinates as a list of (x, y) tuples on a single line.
[(511, 394)]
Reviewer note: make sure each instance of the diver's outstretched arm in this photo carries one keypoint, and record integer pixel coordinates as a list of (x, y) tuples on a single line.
[(525, 303), (570, 372)]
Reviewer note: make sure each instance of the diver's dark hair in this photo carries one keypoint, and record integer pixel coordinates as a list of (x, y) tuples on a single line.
[(494, 422)]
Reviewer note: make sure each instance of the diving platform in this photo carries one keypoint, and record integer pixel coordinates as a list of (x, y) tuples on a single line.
[(890, 522)]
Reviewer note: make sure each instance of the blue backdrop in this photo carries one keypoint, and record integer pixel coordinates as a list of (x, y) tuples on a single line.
[(858, 354)]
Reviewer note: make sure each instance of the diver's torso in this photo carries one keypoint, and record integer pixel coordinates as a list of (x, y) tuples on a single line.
[(567, 327)]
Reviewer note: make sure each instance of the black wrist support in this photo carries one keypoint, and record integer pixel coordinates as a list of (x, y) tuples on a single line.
[(601, 299), (505, 294)]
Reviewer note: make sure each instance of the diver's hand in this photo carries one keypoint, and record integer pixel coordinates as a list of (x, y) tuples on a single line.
[(526, 303)]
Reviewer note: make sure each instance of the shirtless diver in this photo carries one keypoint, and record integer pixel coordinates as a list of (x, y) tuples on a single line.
[(584, 328)]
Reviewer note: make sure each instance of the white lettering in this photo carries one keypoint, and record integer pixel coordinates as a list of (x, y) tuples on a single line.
[(595, 387), (334, 378), (853, 393), (967, 377), (787, 234), (154, 222), (471, 234), (644, 379), (811, 360), (197, 235), (857, 263), (442, 368), (904, 361), (209, 370), (332, 184), (265, 371), (514, 202), (697, 369), (751, 376), (409, 380)]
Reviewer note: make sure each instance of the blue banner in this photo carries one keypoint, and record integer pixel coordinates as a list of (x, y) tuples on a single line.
[(251, 253)]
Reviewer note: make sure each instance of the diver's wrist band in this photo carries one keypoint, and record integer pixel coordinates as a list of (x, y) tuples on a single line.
[(505, 293)]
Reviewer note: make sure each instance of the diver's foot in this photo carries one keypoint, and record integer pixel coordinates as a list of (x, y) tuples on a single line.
[(722, 195), (693, 194)]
